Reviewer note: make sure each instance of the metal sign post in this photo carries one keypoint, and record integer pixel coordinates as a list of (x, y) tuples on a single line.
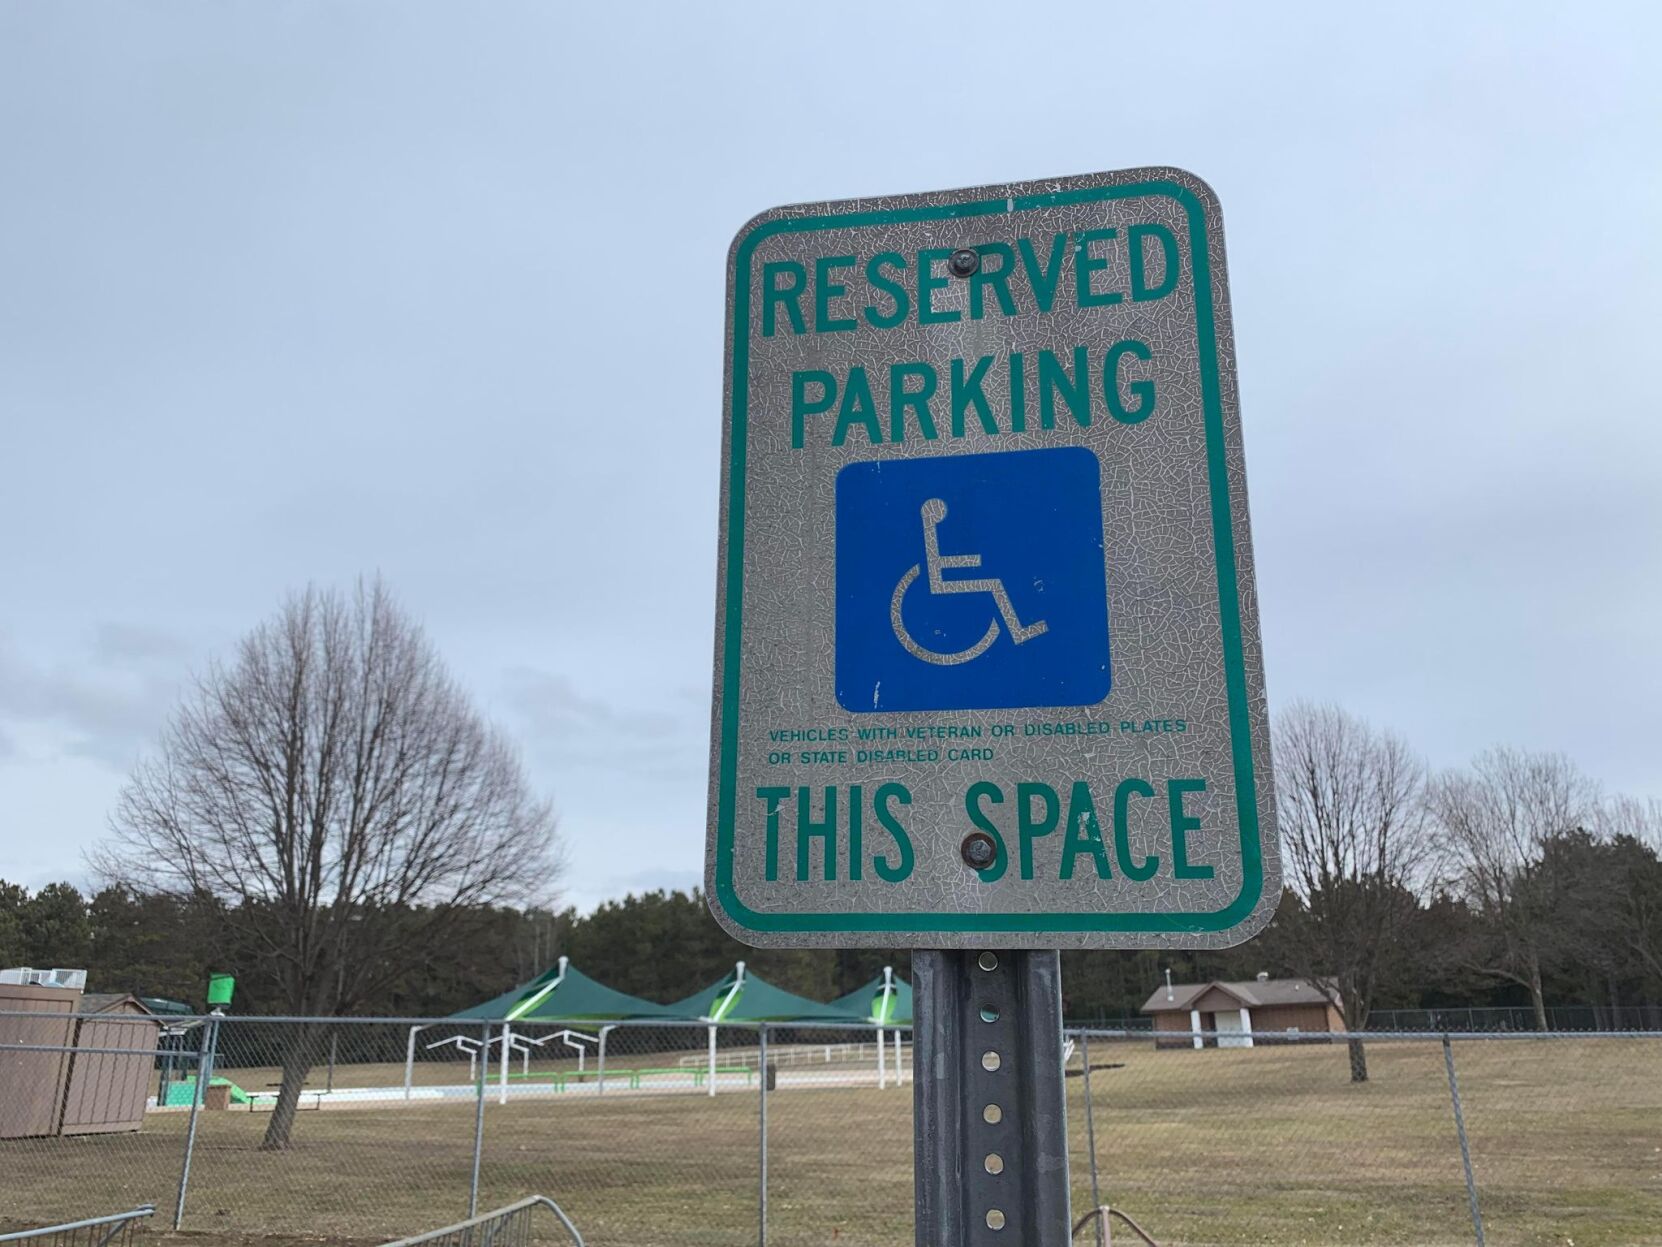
[(990, 1123), (987, 675)]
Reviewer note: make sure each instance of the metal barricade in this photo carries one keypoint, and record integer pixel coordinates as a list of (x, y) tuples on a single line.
[(503, 1227), (115, 1230)]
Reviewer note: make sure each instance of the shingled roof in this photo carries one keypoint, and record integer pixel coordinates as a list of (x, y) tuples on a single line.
[(108, 1002), (1253, 993)]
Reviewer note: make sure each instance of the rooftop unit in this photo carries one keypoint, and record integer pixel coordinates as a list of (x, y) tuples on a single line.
[(72, 980)]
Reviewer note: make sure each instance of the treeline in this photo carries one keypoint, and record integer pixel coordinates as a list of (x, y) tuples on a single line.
[(1515, 881), (1601, 933), (166, 946), (660, 946)]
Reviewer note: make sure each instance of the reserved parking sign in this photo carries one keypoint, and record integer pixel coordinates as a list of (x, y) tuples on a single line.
[(987, 657)]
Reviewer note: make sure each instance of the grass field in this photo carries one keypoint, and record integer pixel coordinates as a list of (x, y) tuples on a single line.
[(1268, 1146)]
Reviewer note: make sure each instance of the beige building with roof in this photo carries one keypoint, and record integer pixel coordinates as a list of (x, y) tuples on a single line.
[(1224, 1015)]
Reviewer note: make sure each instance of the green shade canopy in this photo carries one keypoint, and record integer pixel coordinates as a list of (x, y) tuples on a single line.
[(565, 994), (870, 1002), (756, 1000)]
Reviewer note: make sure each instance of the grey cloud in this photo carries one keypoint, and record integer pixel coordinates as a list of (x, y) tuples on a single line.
[(109, 706), (552, 706), (568, 729), (120, 644)]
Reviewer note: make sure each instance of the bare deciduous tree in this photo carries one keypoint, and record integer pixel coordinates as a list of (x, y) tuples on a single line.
[(335, 788), (1354, 846), (1630, 816), (1498, 818)]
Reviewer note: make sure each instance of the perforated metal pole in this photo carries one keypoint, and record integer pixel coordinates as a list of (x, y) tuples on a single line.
[(990, 1122)]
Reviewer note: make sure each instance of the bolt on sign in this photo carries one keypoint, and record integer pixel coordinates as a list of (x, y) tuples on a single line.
[(987, 661)]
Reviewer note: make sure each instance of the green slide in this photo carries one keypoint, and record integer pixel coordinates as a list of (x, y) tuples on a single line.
[(180, 1094)]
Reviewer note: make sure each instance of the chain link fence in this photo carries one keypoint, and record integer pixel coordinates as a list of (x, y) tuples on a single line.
[(1520, 1018), (654, 1135)]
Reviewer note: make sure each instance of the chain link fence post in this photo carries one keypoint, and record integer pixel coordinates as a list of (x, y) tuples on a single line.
[(204, 1068), (1090, 1131), (1460, 1130), (479, 1113), (762, 1192)]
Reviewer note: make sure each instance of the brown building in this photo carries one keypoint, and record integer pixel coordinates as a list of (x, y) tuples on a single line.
[(72, 1082), (40, 1020), (108, 1078), (1224, 1014)]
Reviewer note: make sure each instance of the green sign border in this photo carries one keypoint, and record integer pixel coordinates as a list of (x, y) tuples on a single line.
[(1223, 536)]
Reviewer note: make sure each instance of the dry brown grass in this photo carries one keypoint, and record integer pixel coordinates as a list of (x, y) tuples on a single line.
[(1272, 1146)]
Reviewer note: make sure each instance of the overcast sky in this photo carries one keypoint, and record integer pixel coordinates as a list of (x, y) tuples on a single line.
[(296, 291)]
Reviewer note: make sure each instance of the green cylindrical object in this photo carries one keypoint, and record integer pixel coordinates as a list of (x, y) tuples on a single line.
[(220, 987)]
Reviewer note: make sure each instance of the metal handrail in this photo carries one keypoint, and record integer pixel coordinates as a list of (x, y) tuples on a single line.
[(484, 1218), (118, 1221)]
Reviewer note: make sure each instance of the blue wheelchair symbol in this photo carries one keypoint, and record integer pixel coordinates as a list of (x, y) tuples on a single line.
[(1031, 629)]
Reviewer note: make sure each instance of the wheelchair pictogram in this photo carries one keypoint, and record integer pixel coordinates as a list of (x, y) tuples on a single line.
[(1024, 557), (933, 512)]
